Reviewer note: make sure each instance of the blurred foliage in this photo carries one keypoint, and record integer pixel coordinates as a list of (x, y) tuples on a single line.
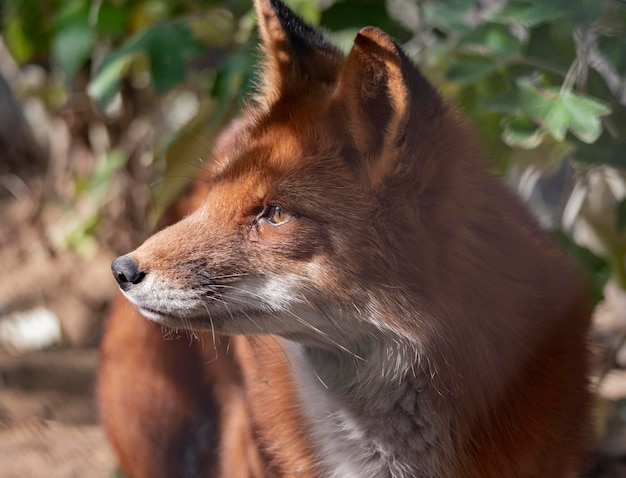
[(543, 80)]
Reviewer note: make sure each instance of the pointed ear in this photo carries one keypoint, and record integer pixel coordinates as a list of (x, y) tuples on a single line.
[(294, 51), (386, 100)]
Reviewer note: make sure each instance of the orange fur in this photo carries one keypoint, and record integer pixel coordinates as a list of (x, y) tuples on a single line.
[(408, 318)]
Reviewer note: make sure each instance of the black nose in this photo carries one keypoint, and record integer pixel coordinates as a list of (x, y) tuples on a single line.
[(126, 272)]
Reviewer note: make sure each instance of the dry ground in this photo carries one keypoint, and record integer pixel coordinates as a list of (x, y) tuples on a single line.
[(48, 420)]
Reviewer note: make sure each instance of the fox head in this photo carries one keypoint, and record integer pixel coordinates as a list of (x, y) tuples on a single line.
[(320, 203)]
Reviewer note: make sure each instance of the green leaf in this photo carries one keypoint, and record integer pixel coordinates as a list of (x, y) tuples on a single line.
[(470, 69), (185, 153), (550, 49), (308, 9), (449, 15), (577, 113), (215, 28), (533, 102), (24, 29), (233, 78), (558, 112), (614, 48), (167, 45), (69, 12), (584, 115), (521, 133), (534, 12), (546, 158), (583, 11), (605, 150), (528, 13), (114, 160), (502, 102), (105, 84), (78, 238), (586, 105), (493, 39), (354, 14), (557, 120), (112, 19), (72, 46)]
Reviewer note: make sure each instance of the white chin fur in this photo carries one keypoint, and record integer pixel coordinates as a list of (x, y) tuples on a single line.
[(152, 316)]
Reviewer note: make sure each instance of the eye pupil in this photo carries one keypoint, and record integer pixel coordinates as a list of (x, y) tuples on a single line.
[(278, 215)]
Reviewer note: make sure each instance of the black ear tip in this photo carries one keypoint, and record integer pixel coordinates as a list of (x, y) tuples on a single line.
[(301, 35)]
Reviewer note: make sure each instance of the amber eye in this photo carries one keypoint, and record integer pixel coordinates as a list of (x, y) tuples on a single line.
[(277, 215)]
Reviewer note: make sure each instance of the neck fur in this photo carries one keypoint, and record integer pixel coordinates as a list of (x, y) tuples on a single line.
[(370, 411)]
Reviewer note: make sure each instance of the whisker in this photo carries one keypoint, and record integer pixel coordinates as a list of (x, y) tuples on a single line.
[(318, 377), (230, 339), (210, 321), (325, 335), (292, 314)]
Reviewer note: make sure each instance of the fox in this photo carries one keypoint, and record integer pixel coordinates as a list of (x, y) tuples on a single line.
[(369, 300)]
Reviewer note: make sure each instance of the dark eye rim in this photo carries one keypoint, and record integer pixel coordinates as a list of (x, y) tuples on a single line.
[(267, 213)]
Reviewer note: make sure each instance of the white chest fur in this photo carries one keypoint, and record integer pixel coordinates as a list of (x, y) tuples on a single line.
[(372, 427)]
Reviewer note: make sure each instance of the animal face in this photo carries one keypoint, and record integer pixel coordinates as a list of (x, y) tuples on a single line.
[(314, 203)]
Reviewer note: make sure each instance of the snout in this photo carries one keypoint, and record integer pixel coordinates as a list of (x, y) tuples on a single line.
[(126, 272)]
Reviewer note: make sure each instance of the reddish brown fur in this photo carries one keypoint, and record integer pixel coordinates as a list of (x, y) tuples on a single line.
[(433, 236), (154, 390)]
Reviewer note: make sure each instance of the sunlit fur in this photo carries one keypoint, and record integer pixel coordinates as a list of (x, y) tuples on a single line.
[(409, 318)]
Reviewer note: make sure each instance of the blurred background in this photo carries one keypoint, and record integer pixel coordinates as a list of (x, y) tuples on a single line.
[(109, 107)]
